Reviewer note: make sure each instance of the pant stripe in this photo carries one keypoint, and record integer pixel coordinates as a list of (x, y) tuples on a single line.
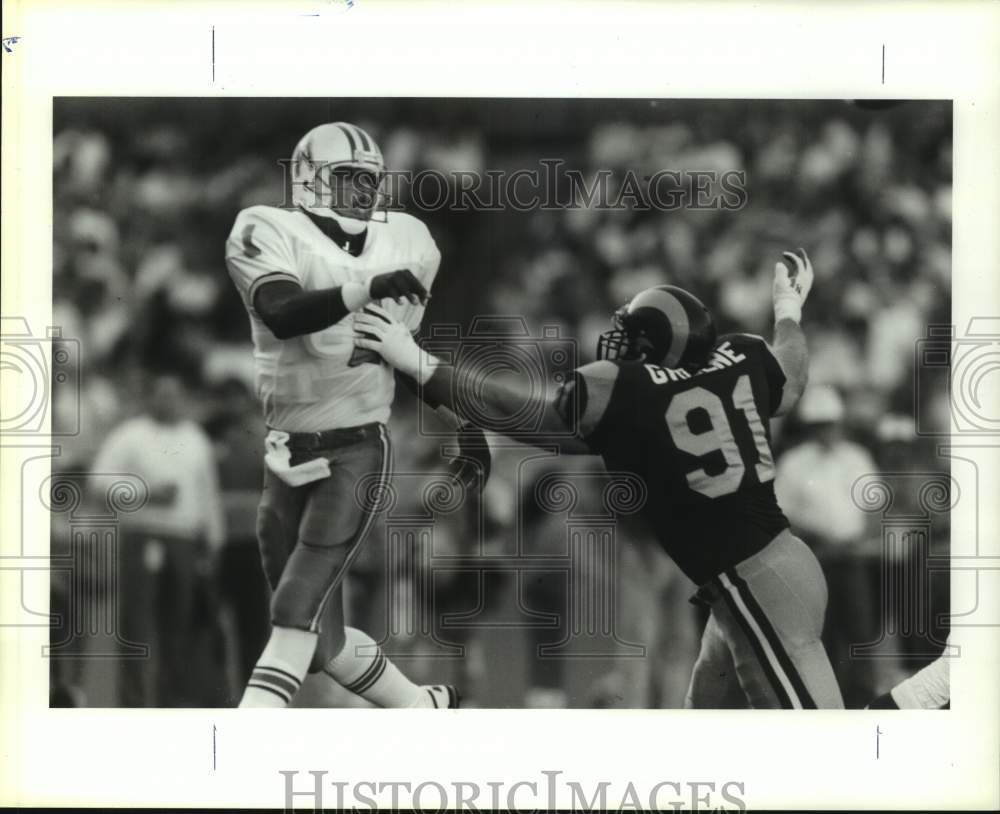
[(368, 517), (765, 655), (772, 636)]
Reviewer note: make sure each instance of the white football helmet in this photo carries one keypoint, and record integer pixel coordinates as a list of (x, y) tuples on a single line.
[(337, 171)]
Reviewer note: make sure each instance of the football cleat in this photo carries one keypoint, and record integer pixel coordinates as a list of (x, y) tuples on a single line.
[(337, 170), (663, 325), (443, 696)]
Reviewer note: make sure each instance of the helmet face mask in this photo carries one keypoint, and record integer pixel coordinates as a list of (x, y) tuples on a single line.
[(663, 325), (620, 344), (350, 190)]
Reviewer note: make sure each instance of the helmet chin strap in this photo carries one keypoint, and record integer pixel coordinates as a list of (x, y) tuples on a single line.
[(352, 226)]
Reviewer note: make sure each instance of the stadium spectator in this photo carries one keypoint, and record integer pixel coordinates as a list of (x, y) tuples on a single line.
[(164, 550), (813, 480), (236, 429), (813, 483)]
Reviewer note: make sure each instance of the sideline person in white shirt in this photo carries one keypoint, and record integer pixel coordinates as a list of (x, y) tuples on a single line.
[(813, 484), (814, 479), (164, 547)]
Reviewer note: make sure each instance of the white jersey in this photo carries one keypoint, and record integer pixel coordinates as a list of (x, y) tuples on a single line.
[(305, 383)]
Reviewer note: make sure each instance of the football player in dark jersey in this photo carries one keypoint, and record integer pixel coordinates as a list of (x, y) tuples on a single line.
[(689, 413)]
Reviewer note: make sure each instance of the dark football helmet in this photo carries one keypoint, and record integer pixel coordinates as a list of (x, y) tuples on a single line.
[(663, 325)]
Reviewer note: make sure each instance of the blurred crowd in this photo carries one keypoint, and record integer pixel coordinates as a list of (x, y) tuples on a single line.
[(145, 192)]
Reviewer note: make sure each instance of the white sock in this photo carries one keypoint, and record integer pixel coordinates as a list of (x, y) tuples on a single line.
[(926, 689), (363, 668), (280, 668)]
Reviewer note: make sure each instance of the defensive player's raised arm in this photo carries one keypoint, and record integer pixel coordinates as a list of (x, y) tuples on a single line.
[(789, 347), (497, 403)]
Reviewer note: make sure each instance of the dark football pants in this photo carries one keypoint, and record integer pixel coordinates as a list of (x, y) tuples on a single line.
[(762, 643), (310, 534)]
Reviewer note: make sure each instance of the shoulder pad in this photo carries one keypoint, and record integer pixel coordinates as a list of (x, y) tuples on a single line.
[(256, 229), (259, 213), (601, 369), (411, 229), (596, 382), (738, 340)]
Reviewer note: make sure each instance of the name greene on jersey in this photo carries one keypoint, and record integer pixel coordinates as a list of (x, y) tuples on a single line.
[(722, 357), (315, 382), (699, 440)]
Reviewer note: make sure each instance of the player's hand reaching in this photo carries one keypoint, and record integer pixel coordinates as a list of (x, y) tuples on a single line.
[(376, 329), (471, 467), (793, 279), (401, 286)]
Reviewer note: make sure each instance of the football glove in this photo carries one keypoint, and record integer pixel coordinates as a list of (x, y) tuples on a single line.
[(792, 287), (399, 286), (471, 466), (377, 330)]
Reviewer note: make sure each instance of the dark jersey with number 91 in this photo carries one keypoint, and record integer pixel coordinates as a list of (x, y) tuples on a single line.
[(700, 441)]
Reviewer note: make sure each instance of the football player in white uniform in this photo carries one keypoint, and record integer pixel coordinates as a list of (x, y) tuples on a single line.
[(303, 274)]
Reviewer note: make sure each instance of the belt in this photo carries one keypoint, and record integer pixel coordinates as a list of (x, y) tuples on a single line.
[(331, 439)]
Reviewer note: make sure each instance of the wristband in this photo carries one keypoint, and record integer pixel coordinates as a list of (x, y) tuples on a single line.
[(426, 365), (787, 308), (356, 295)]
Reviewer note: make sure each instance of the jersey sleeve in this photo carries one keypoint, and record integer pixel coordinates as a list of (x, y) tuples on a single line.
[(584, 401), (763, 359), (257, 252)]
